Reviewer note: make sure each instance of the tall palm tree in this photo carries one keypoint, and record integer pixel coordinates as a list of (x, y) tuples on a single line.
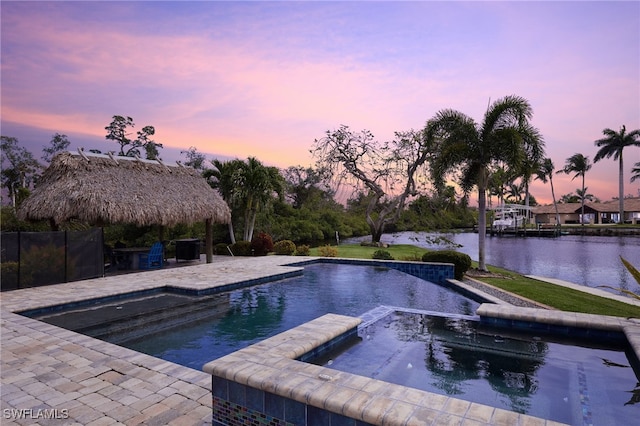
[(528, 168), (580, 165), (612, 145), (473, 150), (544, 173)]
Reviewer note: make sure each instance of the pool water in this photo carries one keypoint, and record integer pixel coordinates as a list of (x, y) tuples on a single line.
[(573, 382), (192, 331)]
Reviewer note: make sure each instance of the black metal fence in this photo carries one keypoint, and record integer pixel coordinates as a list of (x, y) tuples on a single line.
[(31, 259)]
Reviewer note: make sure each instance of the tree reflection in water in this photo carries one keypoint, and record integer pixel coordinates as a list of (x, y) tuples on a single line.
[(253, 312), (458, 350)]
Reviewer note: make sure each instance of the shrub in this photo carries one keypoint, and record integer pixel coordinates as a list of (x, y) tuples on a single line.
[(382, 255), (415, 257), (262, 244), (241, 248), (327, 251), (303, 250), (461, 261), (286, 247), (221, 249)]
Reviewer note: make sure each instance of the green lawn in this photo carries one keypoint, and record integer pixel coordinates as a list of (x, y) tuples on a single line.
[(356, 251), (549, 294), (559, 297)]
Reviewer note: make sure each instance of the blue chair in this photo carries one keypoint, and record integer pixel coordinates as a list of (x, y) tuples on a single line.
[(153, 259)]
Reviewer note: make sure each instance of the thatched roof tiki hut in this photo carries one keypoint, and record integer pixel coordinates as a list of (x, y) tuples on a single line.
[(102, 189)]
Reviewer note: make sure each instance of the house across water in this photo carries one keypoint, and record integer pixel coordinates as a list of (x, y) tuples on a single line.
[(594, 213)]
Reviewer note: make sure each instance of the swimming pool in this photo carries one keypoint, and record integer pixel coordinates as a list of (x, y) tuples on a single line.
[(566, 380), (193, 330)]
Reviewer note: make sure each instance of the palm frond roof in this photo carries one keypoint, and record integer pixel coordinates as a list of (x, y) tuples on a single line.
[(100, 188)]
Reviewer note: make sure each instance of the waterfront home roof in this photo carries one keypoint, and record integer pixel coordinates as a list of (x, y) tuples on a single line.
[(101, 189), (563, 208), (630, 205)]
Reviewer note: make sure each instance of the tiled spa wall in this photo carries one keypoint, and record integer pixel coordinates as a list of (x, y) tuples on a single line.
[(239, 404), (437, 273)]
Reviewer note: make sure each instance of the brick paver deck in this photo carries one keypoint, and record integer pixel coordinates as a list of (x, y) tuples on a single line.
[(54, 376)]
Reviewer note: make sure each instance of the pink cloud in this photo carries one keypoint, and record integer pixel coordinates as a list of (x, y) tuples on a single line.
[(268, 87)]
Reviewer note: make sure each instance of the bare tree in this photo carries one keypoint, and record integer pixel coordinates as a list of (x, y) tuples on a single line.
[(117, 131), (195, 159), (57, 144), (19, 169), (385, 170)]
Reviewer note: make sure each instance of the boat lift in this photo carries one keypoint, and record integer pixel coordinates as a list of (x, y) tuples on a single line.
[(510, 217)]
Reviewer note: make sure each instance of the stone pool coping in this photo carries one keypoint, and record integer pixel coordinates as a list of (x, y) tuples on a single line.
[(567, 321), (47, 368)]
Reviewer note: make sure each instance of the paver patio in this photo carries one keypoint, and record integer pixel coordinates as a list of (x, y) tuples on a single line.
[(50, 375)]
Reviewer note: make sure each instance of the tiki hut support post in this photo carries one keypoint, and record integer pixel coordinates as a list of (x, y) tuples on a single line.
[(208, 238), (161, 233)]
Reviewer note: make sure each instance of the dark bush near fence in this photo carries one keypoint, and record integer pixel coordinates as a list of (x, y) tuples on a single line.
[(461, 261)]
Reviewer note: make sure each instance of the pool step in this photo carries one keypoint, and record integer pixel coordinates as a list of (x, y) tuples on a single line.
[(126, 320)]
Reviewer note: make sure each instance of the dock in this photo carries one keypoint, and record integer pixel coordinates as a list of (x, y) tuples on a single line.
[(541, 231)]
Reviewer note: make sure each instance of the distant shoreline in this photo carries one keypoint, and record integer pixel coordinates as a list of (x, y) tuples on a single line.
[(594, 230), (602, 230)]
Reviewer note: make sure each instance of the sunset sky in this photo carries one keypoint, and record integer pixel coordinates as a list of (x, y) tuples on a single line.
[(264, 79)]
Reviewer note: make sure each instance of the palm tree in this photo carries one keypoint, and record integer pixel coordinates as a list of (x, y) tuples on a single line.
[(544, 173), (247, 186), (474, 150), (531, 163), (515, 191), (612, 145), (584, 195), (224, 174), (635, 172), (256, 184), (580, 165), (568, 198), (497, 182)]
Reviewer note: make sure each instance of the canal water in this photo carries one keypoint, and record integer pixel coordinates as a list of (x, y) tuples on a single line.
[(581, 259)]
